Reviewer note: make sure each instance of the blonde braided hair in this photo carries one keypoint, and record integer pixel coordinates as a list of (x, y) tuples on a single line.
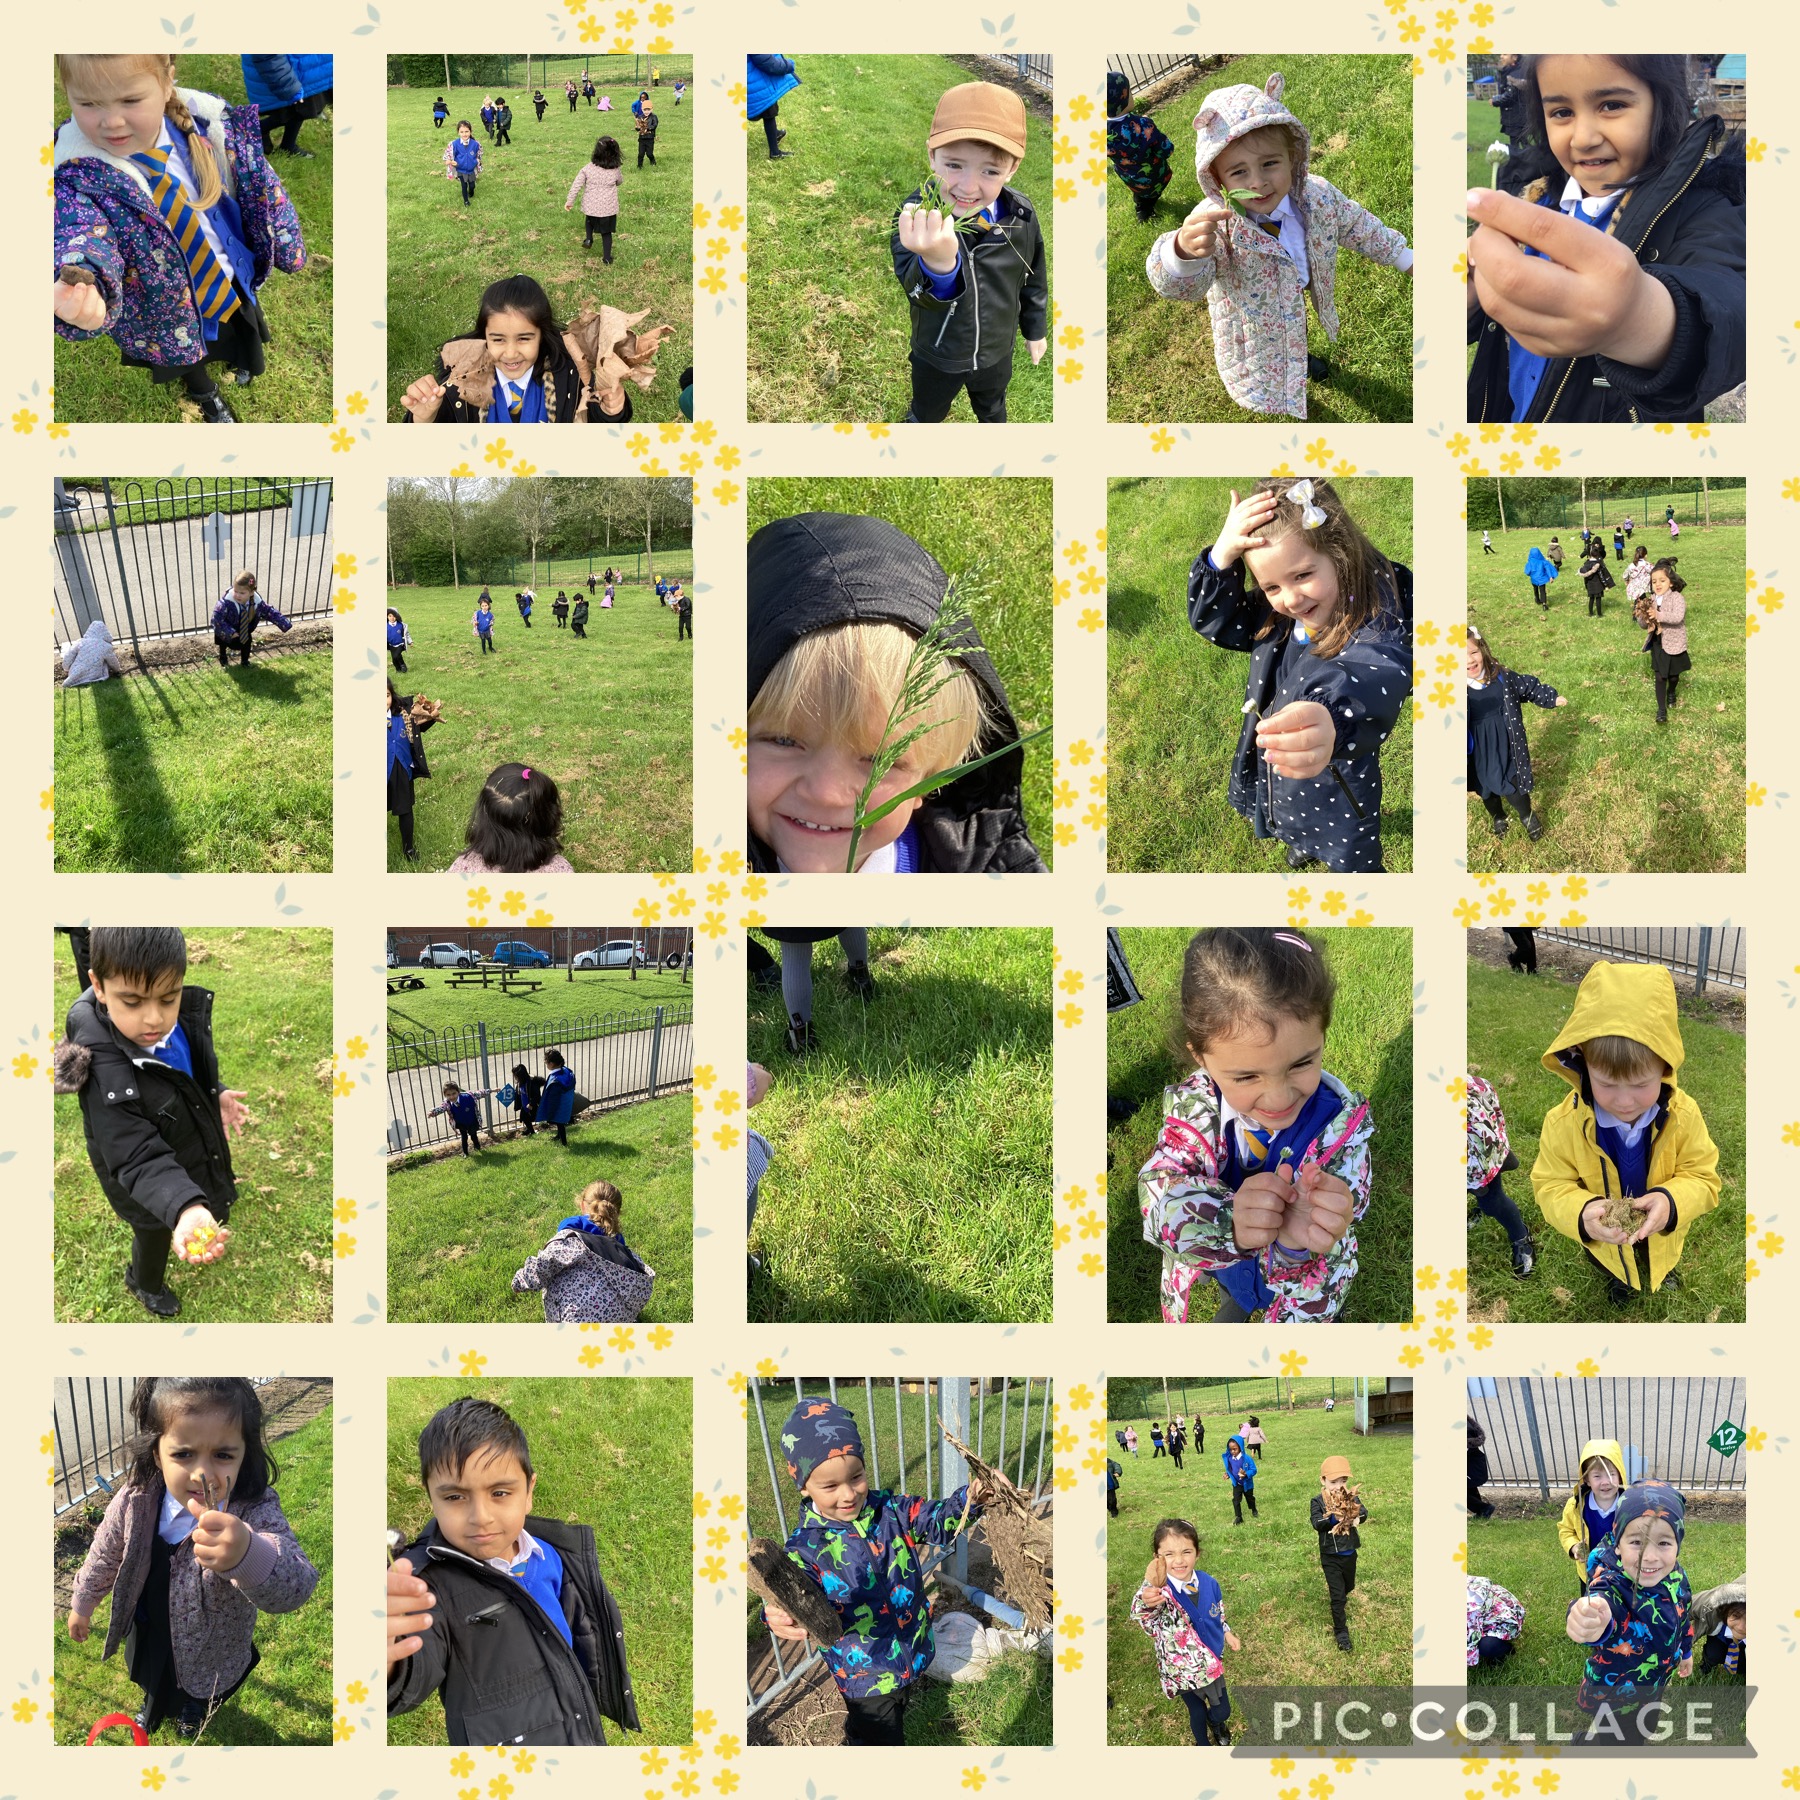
[(86, 73)]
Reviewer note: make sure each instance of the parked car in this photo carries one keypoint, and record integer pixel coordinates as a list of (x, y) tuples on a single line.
[(520, 955), (446, 956), (393, 959), (621, 953)]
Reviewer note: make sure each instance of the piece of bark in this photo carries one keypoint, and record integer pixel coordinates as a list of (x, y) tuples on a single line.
[(781, 1582), (1018, 1537)]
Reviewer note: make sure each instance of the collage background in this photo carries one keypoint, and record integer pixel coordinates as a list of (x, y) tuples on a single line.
[(1080, 451)]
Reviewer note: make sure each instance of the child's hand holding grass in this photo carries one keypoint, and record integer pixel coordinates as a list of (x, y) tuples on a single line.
[(1655, 1207), (1593, 1222), (1319, 1212), (199, 1237), (220, 1539), (930, 235), (1590, 1618), (1258, 1209), (1297, 742), (1197, 235), (422, 399)]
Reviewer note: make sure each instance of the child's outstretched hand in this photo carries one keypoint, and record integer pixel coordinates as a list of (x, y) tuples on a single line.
[(1037, 347), (221, 1540), (422, 399), (783, 1625), (1231, 1639), (757, 1080), (1655, 1208), (233, 1113), (1563, 699), (1589, 1619), (78, 1625), (930, 236), (78, 303), (1319, 1213), (1298, 740), (1685, 1667), (408, 1611), (1583, 295), (1258, 1208), (1243, 527), (199, 1237), (1154, 1591), (1198, 232)]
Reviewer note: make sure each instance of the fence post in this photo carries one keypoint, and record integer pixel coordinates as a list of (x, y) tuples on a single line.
[(112, 520), (71, 553), (1537, 1445), (488, 1103), (1702, 961), (655, 1050), (953, 1413)]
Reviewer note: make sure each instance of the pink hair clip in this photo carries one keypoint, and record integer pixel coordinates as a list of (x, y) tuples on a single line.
[(526, 775), (1299, 943)]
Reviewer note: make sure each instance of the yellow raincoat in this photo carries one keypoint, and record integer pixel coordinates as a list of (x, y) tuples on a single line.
[(1572, 1527), (1635, 1000)]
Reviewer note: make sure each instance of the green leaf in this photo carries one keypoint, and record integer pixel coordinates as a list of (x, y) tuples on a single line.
[(945, 776)]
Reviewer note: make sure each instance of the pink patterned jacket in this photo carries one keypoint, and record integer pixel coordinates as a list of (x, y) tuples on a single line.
[(1182, 1660)]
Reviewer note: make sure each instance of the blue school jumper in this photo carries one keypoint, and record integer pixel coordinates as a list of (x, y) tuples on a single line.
[(174, 1051)]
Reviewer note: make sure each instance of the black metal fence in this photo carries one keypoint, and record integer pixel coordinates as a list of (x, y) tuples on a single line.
[(1537, 1424), (90, 1425), (513, 75), (1144, 71), (153, 558), (1143, 1397), (615, 1057), (1034, 69), (1706, 955)]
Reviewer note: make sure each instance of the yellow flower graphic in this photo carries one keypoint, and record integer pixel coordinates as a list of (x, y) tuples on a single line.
[(473, 1362), (1162, 439)]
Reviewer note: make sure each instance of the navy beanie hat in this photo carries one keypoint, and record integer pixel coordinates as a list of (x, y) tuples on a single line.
[(817, 1430)]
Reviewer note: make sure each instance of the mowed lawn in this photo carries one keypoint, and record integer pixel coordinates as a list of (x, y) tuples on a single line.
[(1617, 792), (197, 769), (1268, 1567), (1368, 1048), (459, 1227), (1175, 701), (442, 254), (591, 1443), (1513, 1019), (911, 1178), (829, 327), (1160, 363), (93, 386), (610, 717), (287, 1699), (995, 536), (272, 1032)]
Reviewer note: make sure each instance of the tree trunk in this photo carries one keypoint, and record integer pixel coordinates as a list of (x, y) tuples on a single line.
[(649, 550), (1706, 501), (446, 74), (1499, 496)]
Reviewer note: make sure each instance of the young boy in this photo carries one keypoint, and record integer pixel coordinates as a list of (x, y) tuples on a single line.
[(972, 294), (1256, 269), (1626, 1129), (1338, 1542), (516, 1632), (1138, 149), (464, 1114), (1636, 1615), (862, 1548), (1724, 1647), (138, 1048), (1240, 1470), (837, 603)]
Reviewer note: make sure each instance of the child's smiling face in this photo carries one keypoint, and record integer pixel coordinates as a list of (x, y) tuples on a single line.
[(1267, 1073), (1597, 117), (481, 1507), (512, 341), (802, 798), (200, 1450), (1258, 161), (1297, 579), (144, 1007), (838, 1487), (1179, 1553), (1648, 1550), (972, 174), (1602, 1477), (124, 115)]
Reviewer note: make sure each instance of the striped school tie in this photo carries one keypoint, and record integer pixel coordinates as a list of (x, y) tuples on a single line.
[(516, 406), (214, 294), (1256, 1146), (1271, 227)]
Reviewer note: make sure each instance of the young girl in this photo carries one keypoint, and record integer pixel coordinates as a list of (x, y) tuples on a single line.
[(570, 89), (1327, 626), (399, 639), (439, 113), (1489, 1158), (459, 1106), (514, 367), (515, 826), (559, 608), (193, 1546), (527, 1094), (235, 619), (606, 599), (462, 159), (1637, 583), (597, 182), (588, 1274), (524, 602), (560, 1102), (1495, 1619), (1668, 634), (1588, 1513), (1262, 1167), (482, 624), (1674, 528), (1638, 312), (1183, 1610), (1596, 577), (408, 719), (1499, 756), (539, 103), (142, 169), (1541, 570)]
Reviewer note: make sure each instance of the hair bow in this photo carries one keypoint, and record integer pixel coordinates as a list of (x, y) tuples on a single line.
[(525, 775), (1301, 493)]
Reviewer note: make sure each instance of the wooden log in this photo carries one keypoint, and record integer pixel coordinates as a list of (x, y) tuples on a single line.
[(783, 1583)]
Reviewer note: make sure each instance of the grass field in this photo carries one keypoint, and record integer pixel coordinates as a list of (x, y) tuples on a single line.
[(1275, 1595), (1525, 1557), (458, 1227), (591, 1442), (911, 1179), (1368, 1048), (1175, 702), (287, 1699), (996, 530), (1619, 793), (441, 254), (611, 716), (1483, 129), (829, 328), (198, 769), (272, 1032), (92, 386), (1513, 1019), (1160, 363)]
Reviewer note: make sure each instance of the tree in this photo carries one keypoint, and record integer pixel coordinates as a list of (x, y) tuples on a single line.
[(1501, 499), (532, 502), (451, 494)]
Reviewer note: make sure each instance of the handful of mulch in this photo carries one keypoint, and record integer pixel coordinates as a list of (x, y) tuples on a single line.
[(1618, 1214), (424, 711), (1018, 1538), (1344, 1505)]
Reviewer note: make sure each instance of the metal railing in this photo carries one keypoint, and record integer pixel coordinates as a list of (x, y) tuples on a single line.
[(933, 1468), (1707, 955), (1537, 1424), (1034, 69), (1130, 1398), (91, 1424), (616, 1058), (153, 558), (1144, 71)]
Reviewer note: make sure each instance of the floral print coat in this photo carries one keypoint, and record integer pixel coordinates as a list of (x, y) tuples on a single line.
[(1488, 1146), (1492, 1612), (1184, 1663)]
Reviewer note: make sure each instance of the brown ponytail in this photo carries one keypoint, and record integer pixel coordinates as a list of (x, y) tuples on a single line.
[(200, 151)]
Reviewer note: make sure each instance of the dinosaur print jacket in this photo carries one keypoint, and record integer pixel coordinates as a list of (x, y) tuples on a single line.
[(869, 1569), (1652, 1632)]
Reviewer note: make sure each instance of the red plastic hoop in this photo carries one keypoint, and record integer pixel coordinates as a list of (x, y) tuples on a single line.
[(138, 1735)]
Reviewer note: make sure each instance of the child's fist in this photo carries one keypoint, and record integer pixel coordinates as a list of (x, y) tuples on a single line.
[(784, 1625), (1037, 347), (421, 400), (930, 236), (1198, 232), (79, 304), (409, 1603), (220, 1539), (1320, 1212), (1243, 528), (78, 1625), (1297, 742), (1589, 1618), (1258, 1208), (199, 1237)]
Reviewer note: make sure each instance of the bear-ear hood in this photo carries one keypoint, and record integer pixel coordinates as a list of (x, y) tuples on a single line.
[(1234, 112), (1634, 1000)]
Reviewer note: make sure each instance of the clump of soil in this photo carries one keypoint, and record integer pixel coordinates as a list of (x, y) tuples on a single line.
[(1618, 1214)]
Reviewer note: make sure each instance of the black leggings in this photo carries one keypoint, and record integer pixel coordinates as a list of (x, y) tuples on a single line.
[(574, 100), (243, 651), (1207, 1712), (1521, 804), (1492, 1649), (1665, 691), (770, 131), (467, 1135), (406, 831), (1175, 1454), (605, 228), (487, 642), (468, 187), (1498, 1205)]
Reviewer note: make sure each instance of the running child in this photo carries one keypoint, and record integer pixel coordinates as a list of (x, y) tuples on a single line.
[(1499, 755), (235, 619), (1240, 1471), (1596, 577), (579, 618), (502, 123), (525, 601), (409, 717), (1668, 633), (597, 184), (399, 639), (559, 608), (439, 113), (587, 1273), (1182, 1608), (643, 109), (482, 623), (1339, 1540), (515, 826), (462, 160)]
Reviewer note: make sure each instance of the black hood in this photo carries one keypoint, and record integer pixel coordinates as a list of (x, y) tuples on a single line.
[(814, 571)]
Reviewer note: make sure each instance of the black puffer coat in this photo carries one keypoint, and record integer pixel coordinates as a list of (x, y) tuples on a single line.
[(154, 1134), (1686, 226), (504, 1673)]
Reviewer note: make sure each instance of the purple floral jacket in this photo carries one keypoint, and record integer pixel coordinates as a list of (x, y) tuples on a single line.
[(106, 221)]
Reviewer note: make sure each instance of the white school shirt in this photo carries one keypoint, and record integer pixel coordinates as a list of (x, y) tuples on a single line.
[(1630, 1133), (176, 1523)]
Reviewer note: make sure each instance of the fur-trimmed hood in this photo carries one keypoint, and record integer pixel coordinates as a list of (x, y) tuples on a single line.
[(207, 111)]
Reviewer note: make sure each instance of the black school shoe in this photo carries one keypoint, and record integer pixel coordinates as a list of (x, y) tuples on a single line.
[(1534, 826), (1298, 859), (858, 980), (190, 1719), (215, 409), (1343, 1641), (1502, 825), (801, 1039), (1317, 368), (1524, 1258), (160, 1302)]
